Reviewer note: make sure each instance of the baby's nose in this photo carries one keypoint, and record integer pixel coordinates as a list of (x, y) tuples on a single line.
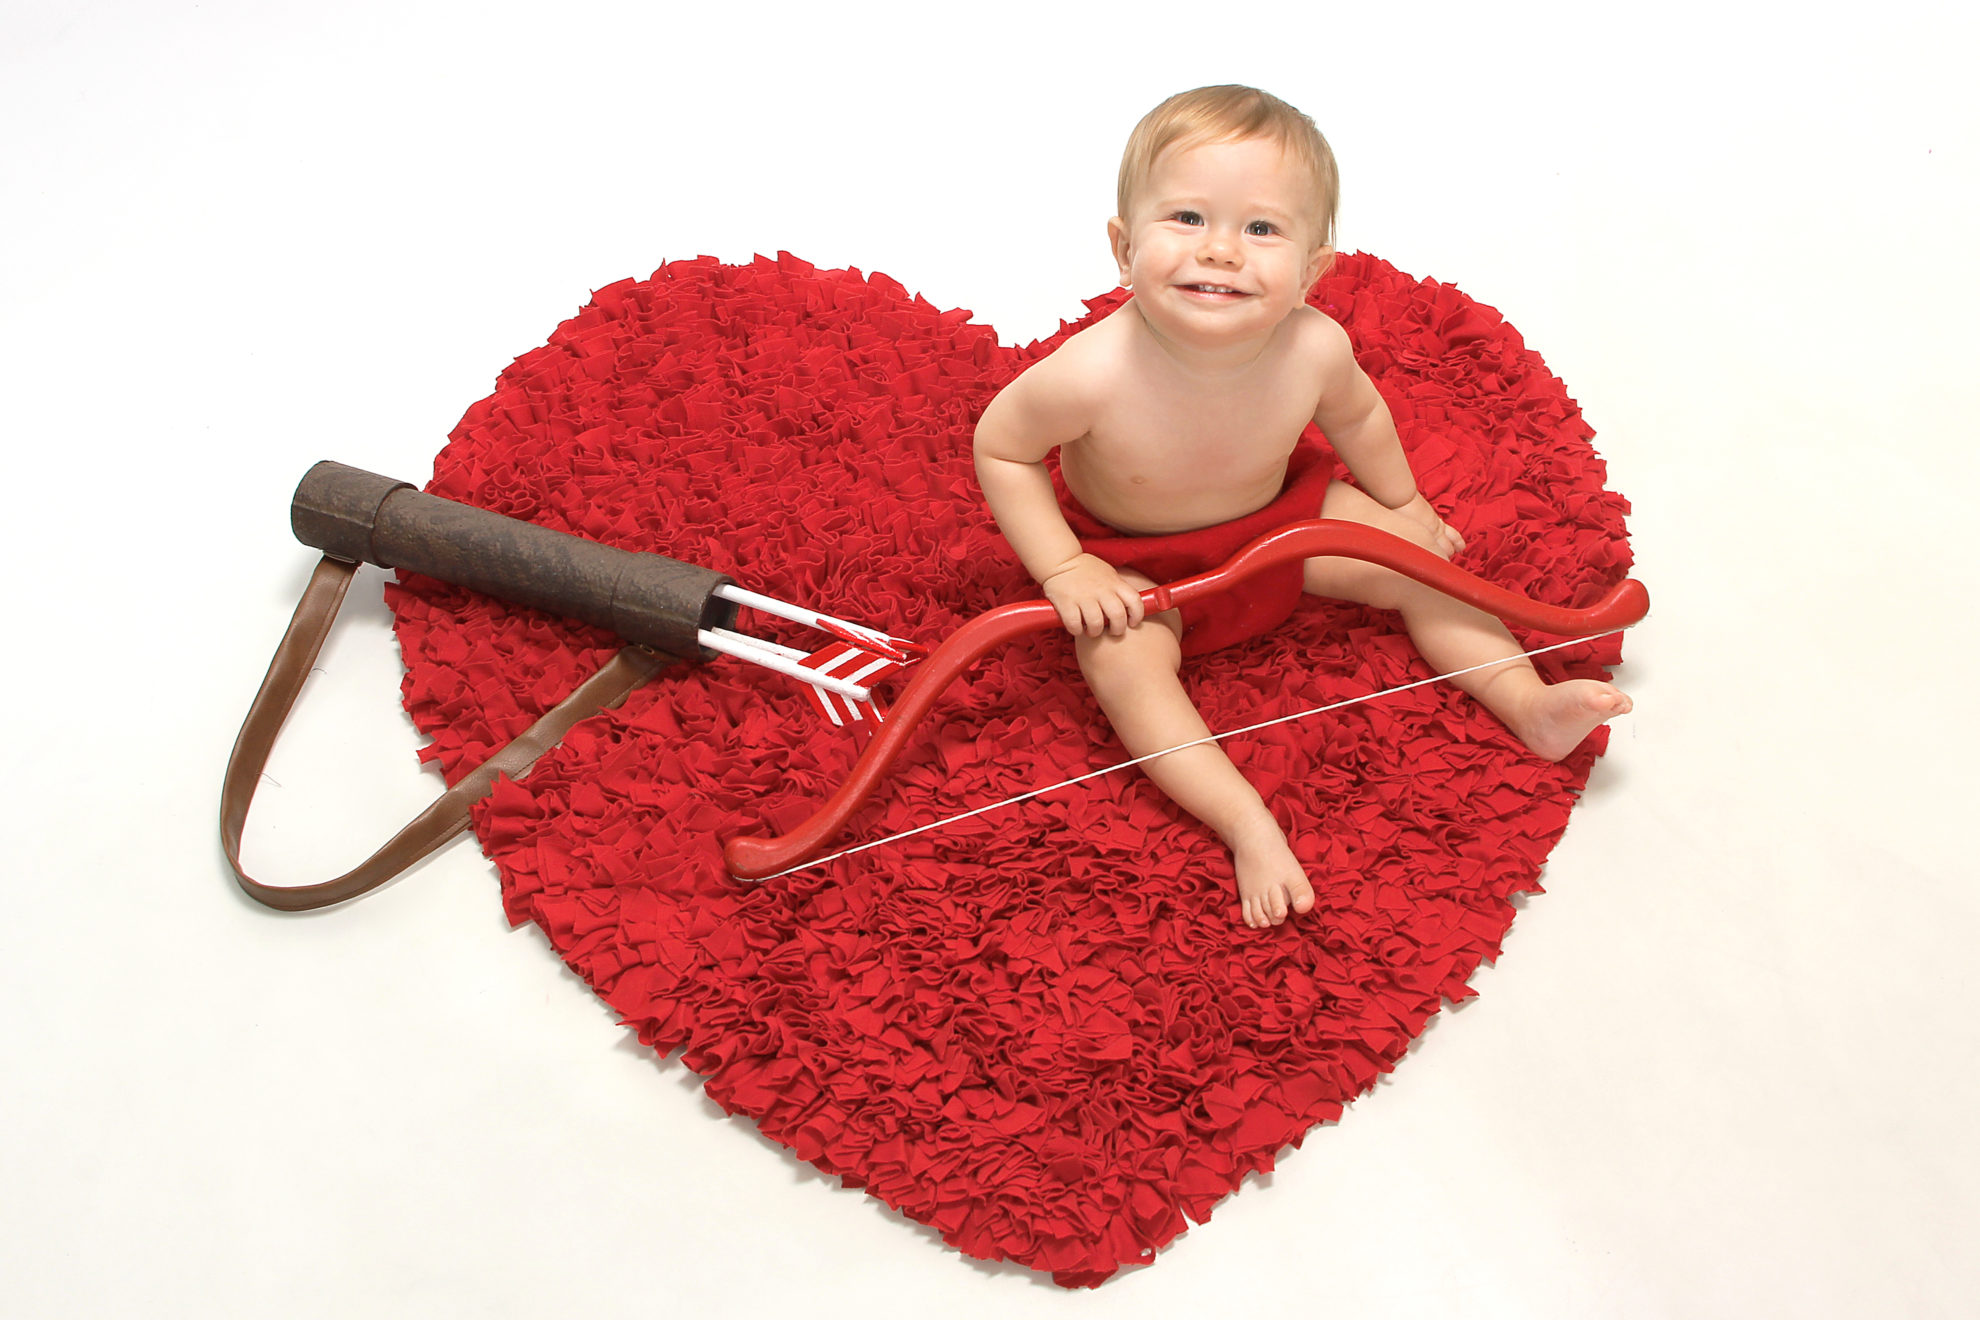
[(1219, 246)]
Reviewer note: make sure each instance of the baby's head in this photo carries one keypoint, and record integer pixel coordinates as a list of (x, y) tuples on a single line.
[(1230, 114)]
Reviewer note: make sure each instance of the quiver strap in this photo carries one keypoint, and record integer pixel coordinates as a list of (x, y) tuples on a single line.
[(449, 814)]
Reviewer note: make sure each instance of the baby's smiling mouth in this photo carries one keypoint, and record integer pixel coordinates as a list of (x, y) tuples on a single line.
[(1212, 288)]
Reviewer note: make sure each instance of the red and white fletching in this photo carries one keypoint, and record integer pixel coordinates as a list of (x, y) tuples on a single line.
[(855, 665), (835, 676)]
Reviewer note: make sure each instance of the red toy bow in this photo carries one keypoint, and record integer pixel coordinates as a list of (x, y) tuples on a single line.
[(755, 858)]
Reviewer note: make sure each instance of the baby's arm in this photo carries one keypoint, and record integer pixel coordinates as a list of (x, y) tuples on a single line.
[(1357, 423), (1030, 417)]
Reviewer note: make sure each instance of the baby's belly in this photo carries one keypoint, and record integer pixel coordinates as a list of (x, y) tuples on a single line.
[(1148, 511)]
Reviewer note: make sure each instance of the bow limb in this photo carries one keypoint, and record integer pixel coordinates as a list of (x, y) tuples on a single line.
[(1626, 603), (754, 858)]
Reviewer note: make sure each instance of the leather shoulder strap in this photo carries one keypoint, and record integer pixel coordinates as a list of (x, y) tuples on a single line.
[(448, 815)]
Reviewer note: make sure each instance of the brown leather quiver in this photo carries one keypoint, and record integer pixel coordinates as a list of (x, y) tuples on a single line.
[(658, 605)]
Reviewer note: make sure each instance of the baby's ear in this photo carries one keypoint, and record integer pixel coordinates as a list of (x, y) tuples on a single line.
[(1319, 264), (1117, 239)]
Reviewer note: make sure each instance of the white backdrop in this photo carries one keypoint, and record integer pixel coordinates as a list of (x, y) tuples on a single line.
[(1726, 1065)]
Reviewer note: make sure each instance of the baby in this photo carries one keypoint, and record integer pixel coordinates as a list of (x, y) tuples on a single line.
[(1178, 421)]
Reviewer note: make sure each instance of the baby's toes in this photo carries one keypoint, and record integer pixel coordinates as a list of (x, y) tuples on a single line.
[(1275, 904), (1302, 895)]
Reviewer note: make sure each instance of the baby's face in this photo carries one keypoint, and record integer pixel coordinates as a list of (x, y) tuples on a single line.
[(1222, 245)]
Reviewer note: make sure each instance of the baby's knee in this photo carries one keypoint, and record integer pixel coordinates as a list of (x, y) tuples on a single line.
[(1151, 650), (1350, 505)]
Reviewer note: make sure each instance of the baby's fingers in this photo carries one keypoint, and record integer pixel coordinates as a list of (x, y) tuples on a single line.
[(1069, 615), (1136, 610), (1122, 611), (1103, 615), (1119, 614)]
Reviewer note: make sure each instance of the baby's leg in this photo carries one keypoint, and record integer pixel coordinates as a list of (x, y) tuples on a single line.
[(1134, 677), (1551, 719)]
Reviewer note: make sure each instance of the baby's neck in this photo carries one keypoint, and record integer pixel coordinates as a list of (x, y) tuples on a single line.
[(1211, 363)]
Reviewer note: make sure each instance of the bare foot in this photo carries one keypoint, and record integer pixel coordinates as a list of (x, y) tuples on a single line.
[(1270, 880), (1559, 715)]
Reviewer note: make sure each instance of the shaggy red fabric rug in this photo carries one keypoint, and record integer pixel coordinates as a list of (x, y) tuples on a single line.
[(1043, 1031)]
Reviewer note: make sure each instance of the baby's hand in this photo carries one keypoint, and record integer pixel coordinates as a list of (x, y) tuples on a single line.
[(1444, 538), (1092, 599)]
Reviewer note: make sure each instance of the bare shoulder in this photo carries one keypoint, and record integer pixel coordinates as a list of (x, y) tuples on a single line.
[(1082, 367), (1320, 342), (1322, 361), (1051, 402)]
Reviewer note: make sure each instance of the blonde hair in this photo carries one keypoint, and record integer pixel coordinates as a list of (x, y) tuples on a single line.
[(1232, 113)]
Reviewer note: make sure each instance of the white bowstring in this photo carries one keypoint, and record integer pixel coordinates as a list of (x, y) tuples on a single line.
[(1179, 747)]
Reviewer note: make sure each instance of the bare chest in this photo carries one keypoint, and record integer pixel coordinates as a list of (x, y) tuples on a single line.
[(1160, 459)]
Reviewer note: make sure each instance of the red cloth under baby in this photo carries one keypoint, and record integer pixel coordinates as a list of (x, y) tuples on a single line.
[(1258, 605)]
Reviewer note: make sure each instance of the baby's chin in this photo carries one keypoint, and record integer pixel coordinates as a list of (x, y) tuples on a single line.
[(1215, 319)]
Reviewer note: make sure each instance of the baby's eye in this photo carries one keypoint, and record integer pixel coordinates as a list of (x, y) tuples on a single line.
[(1261, 228), (1187, 218)]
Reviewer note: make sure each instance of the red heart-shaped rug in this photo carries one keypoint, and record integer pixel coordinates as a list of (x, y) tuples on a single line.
[(1045, 1030)]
